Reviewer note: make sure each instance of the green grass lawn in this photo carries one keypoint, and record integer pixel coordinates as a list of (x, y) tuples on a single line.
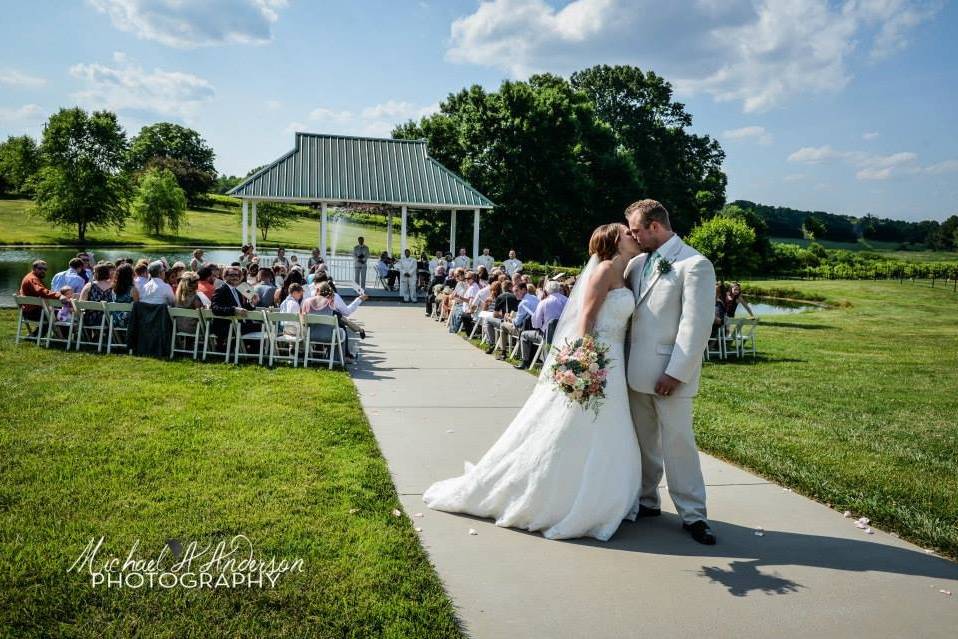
[(132, 448), (886, 249), (856, 406), (207, 227)]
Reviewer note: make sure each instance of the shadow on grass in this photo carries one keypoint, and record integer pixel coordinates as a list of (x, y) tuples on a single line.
[(761, 358), (807, 327)]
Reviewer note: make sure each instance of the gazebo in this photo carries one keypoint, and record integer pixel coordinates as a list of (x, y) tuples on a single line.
[(336, 170)]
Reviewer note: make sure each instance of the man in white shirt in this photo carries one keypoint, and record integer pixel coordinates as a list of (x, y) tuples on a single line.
[(436, 262), (512, 265), (407, 277), (485, 260), (70, 277), (462, 260), (360, 257), (156, 290)]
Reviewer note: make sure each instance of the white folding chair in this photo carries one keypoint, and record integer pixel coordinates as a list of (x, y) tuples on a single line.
[(261, 336), (85, 328), (730, 338), (746, 337), (56, 328), (715, 345), (280, 340), (112, 327), (207, 317), (545, 344), (332, 344), (34, 327), (185, 337)]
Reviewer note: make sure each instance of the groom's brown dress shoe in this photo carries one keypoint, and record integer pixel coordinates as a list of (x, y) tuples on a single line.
[(700, 532), (646, 511)]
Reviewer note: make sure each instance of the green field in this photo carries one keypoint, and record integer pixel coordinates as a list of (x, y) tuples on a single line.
[(207, 227), (855, 406), (885, 249), (132, 448)]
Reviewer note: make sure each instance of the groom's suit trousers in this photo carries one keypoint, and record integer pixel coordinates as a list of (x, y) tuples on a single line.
[(663, 426)]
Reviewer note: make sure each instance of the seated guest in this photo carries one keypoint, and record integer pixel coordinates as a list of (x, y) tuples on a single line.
[(461, 297), (228, 301), (431, 290), (206, 284), (197, 260), (65, 312), (174, 273), (32, 286), (265, 290), (70, 277), (218, 280), (475, 301), (281, 259), (323, 303), (386, 271), (188, 296), (252, 270), (344, 310), (279, 274), (156, 290), (720, 294), (734, 297), (547, 310), (295, 278), (99, 290), (436, 262), (246, 255), (504, 305), (292, 304), (125, 292), (140, 275), (315, 259), (528, 301)]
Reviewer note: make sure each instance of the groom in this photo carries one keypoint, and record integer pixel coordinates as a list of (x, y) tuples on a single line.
[(674, 289)]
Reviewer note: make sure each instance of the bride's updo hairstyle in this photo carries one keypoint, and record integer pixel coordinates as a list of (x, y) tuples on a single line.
[(605, 241)]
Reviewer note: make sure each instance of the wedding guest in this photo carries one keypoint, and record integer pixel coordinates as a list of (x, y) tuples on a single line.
[(124, 291), (99, 290), (485, 309), (436, 262), (294, 262), (548, 309), (251, 271), (187, 296), (295, 278), (512, 265), (485, 260), (734, 297), (70, 277), (141, 275), (462, 260), (87, 271), (720, 315), (280, 259), (206, 283), (65, 312), (504, 305), (292, 304), (265, 290), (197, 260), (407, 277), (315, 259), (156, 290), (229, 302), (174, 273), (360, 257), (279, 274), (434, 287), (385, 272), (477, 302)]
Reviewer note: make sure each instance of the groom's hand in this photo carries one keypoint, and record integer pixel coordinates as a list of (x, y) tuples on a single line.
[(666, 385)]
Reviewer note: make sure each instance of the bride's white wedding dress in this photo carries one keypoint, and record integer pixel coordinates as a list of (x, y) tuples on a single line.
[(558, 468)]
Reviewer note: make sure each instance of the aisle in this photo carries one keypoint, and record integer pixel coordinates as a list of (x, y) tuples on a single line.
[(434, 400)]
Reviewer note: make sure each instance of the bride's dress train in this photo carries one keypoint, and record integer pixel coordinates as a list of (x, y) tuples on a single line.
[(558, 468)]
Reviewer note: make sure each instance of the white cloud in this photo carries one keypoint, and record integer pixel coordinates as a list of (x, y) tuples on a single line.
[(870, 166), (194, 23), (870, 135), (758, 53), (14, 78), (274, 105), (26, 113), (129, 86), (749, 133), (948, 166), (375, 121)]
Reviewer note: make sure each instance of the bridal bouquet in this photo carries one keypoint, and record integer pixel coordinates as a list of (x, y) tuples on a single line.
[(579, 371)]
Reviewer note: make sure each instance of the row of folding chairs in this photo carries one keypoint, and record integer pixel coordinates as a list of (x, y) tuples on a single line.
[(736, 336), (507, 341), (273, 342)]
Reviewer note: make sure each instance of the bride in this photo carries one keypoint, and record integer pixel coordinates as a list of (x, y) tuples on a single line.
[(559, 468)]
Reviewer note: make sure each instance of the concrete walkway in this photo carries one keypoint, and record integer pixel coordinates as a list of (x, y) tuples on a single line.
[(434, 401)]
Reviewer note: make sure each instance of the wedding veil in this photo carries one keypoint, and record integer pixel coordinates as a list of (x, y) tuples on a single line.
[(569, 320)]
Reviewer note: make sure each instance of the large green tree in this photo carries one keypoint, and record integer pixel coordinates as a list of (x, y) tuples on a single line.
[(179, 149), (680, 169), (537, 149), (159, 202), (81, 183), (728, 242), (274, 216), (19, 163)]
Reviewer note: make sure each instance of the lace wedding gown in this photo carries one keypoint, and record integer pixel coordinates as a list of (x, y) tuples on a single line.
[(558, 468)]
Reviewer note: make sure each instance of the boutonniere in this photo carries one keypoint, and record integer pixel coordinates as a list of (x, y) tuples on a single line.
[(664, 266)]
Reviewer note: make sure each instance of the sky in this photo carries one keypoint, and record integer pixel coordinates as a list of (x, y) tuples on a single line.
[(843, 106)]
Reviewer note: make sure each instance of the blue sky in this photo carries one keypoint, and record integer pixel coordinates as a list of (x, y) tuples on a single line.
[(841, 106)]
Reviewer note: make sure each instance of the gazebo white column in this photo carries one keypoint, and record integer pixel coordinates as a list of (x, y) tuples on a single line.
[(475, 236), (402, 232), (389, 233), (323, 226), (245, 222), (452, 233), (253, 228)]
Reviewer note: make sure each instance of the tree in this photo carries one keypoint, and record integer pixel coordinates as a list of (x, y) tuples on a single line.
[(179, 149), (680, 169), (19, 163), (80, 182), (727, 242), (273, 215), (159, 202), (538, 151), (813, 228)]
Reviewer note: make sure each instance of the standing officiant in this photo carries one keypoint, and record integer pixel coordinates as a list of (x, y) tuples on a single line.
[(407, 277), (360, 257)]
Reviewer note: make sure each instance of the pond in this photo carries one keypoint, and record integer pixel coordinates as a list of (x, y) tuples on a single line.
[(15, 262), (764, 306)]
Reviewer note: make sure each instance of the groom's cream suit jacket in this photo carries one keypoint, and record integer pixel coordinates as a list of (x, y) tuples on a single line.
[(673, 318)]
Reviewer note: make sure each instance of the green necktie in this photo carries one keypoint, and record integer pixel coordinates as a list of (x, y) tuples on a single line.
[(648, 265)]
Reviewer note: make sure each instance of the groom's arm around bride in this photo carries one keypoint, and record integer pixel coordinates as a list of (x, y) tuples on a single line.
[(674, 287)]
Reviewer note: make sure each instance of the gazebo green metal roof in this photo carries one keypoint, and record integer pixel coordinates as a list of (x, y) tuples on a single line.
[(345, 169)]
